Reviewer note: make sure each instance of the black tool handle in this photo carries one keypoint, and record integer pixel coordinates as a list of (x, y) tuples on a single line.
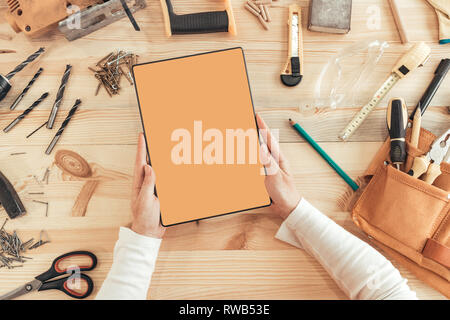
[(398, 151), (5, 86), (295, 77), (56, 271), (439, 76), (63, 285), (397, 122), (9, 198), (202, 22)]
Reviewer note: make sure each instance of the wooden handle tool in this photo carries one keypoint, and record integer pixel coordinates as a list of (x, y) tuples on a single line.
[(430, 163), (420, 166), (398, 21), (415, 132), (434, 171)]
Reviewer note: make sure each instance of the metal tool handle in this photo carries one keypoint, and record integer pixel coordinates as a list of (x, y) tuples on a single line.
[(56, 271), (63, 285)]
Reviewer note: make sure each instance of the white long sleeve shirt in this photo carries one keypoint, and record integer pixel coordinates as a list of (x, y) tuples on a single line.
[(358, 269)]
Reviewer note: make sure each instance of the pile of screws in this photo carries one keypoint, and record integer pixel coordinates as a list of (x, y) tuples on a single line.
[(111, 68), (12, 248)]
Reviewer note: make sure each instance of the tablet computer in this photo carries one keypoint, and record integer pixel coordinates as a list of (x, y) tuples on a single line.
[(201, 134)]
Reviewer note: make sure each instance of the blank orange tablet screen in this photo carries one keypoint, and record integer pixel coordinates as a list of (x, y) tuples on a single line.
[(201, 135)]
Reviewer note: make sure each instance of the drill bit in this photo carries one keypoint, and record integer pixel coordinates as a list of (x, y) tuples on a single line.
[(27, 111), (25, 63), (63, 126), (24, 92), (36, 130), (59, 96), (130, 15)]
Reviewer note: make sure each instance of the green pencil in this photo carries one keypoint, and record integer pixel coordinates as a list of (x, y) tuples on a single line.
[(324, 155)]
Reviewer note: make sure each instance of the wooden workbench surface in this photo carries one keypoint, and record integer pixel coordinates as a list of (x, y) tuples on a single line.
[(231, 257)]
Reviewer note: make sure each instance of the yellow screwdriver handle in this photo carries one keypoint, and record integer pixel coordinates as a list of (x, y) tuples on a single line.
[(434, 171), (420, 166), (411, 60)]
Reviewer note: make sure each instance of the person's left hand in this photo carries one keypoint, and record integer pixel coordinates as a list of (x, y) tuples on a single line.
[(144, 203)]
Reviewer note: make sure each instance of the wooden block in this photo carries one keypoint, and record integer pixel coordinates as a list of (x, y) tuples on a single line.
[(330, 16)]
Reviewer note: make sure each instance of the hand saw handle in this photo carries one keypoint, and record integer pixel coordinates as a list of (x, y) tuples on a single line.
[(202, 22)]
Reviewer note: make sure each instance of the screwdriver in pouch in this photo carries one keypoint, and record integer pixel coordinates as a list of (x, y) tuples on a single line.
[(397, 120)]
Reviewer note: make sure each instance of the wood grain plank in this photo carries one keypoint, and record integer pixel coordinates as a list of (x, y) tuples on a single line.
[(314, 178), (115, 126), (265, 51)]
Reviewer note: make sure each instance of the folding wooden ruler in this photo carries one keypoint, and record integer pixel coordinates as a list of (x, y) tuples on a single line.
[(410, 61)]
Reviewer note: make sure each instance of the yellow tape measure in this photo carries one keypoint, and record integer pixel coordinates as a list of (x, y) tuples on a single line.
[(412, 59)]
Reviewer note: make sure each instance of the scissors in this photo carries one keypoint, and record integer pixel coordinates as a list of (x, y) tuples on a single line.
[(41, 282), (431, 162)]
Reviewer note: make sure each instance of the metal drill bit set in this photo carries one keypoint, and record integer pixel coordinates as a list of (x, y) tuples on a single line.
[(59, 96), (63, 126), (12, 247), (25, 90), (110, 70), (5, 86)]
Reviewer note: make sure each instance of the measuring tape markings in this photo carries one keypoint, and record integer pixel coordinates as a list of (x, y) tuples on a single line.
[(415, 57), (364, 112)]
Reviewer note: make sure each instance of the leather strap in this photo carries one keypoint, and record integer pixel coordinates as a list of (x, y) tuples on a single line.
[(437, 252)]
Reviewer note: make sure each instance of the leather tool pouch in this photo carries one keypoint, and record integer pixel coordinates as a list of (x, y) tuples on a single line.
[(408, 218)]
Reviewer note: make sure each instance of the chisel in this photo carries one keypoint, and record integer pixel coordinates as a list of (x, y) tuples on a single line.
[(397, 120)]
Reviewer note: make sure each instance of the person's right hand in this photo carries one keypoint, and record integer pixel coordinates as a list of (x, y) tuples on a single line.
[(144, 203), (279, 182)]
